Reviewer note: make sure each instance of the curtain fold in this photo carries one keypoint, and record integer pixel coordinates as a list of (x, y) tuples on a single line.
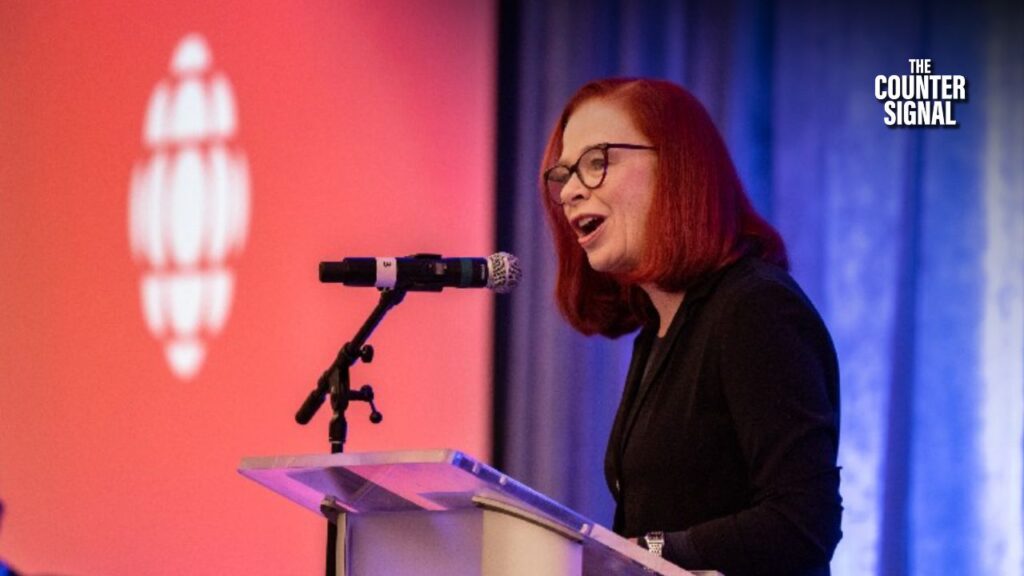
[(910, 242)]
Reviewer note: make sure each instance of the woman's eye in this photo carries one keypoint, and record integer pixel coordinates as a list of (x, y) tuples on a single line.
[(596, 163), (560, 175)]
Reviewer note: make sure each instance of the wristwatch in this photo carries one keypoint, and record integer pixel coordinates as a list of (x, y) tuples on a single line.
[(655, 542)]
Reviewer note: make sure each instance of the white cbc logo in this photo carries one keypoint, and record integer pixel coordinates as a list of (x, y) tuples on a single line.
[(188, 208)]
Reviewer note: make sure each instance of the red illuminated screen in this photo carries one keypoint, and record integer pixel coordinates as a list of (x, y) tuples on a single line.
[(170, 177)]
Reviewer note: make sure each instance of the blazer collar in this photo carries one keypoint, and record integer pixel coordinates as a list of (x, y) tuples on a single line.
[(696, 294)]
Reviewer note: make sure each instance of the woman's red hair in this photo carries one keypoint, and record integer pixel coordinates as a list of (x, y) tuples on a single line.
[(699, 208)]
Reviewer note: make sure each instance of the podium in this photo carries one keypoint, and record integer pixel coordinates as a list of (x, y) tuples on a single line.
[(442, 512)]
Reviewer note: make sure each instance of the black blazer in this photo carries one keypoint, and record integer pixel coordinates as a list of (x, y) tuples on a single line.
[(726, 438)]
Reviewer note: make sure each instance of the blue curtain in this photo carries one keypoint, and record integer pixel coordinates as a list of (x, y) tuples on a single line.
[(909, 241)]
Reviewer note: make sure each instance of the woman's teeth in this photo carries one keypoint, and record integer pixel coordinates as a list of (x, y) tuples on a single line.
[(589, 223)]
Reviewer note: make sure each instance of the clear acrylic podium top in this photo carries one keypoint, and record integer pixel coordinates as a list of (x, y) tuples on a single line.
[(439, 480)]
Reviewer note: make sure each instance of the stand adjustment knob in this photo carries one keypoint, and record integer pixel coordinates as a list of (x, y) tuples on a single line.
[(365, 394), (366, 353)]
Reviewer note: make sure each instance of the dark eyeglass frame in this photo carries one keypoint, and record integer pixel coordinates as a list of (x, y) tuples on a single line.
[(553, 186)]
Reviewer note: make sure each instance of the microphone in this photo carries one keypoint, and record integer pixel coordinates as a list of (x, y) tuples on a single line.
[(426, 272)]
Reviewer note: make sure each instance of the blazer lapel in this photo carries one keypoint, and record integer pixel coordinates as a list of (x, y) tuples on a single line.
[(641, 348), (695, 296), (654, 367)]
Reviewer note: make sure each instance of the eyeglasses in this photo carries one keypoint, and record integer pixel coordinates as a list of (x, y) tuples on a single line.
[(591, 168)]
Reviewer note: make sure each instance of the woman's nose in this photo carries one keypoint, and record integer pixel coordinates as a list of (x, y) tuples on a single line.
[(574, 190)]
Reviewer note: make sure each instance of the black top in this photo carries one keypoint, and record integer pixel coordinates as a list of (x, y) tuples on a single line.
[(727, 434)]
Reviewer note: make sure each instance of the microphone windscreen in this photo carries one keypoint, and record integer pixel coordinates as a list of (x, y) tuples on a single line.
[(503, 272)]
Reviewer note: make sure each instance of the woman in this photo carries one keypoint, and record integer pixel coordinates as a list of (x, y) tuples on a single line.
[(723, 451)]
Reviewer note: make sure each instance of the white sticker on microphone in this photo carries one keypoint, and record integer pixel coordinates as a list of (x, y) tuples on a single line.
[(387, 272)]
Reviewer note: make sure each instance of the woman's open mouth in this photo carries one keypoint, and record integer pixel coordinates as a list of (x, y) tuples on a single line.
[(587, 227)]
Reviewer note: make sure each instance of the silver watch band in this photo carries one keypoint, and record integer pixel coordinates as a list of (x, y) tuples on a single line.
[(655, 542)]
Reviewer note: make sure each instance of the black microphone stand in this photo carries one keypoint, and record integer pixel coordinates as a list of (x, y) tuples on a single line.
[(336, 381)]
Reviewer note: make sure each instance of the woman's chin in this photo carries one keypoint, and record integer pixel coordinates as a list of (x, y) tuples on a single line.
[(606, 265), (596, 262)]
